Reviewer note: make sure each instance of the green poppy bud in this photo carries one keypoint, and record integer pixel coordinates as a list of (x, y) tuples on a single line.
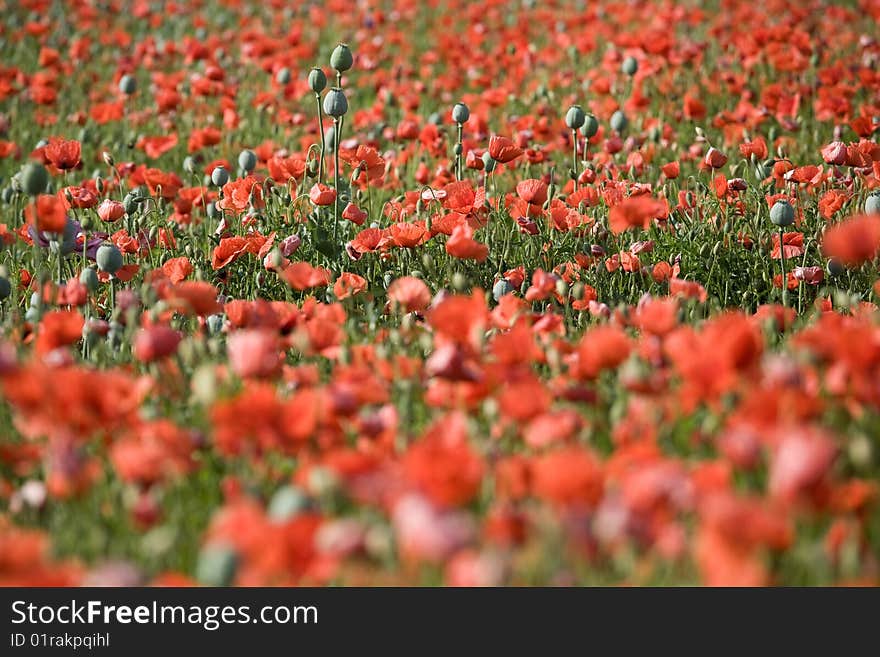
[(217, 565), (460, 113), (629, 66), (282, 76), (5, 288), (127, 84), (286, 503), (335, 103), (459, 281), (212, 211), (501, 288), (89, 278), (619, 122), (872, 204), (8, 194), (34, 178), (341, 58), (87, 222), (219, 176), (782, 214), (109, 258), (561, 288), (835, 267), (575, 117), (488, 162), (247, 160), (590, 126), (317, 80)]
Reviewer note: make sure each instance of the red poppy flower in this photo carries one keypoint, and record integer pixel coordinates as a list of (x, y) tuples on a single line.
[(503, 150), (49, 215), (854, 241), (636, 211), (533, 191), (322, 195), (155, 343), (409, 293), (63, 154)]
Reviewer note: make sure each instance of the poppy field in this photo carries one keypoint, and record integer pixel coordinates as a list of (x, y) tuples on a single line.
[(445, 293)]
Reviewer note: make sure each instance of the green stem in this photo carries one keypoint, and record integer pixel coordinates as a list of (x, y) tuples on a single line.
[(784, 279), (337, 130), (321, 128), (458, 154)]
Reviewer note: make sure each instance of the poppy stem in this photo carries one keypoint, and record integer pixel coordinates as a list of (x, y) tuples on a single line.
[(782, 257), (112, 294), (574, 158), (458, 151), (337, 130), (321, 129)]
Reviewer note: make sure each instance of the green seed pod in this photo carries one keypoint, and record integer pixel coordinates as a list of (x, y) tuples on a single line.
[(212, 211), (247, 160), (217, 566), (835, 267), (5, 288), (341, 58), (488, 162), (34, 178), (619, 122), (89, 278), (219, 176), (109, 258), (317, 80), (88, 222), (335, 103), (189, 164), (872, 204), (459, 281), (282, 76), (782, 214), (655, 134), (561, 288), (460, 113), (286, 503), (215, 323), (590, 126), (127, 84), (630, 66), (577, 290), (457, 149), (575, 117)]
